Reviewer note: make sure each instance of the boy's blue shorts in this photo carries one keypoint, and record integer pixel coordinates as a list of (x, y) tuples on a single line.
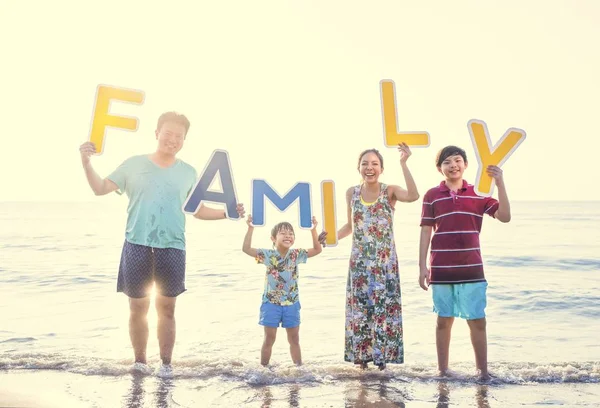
[(271, 315), (464, 300)]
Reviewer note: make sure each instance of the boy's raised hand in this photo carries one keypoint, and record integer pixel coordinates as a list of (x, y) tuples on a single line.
[(249, 220), (496, 173)]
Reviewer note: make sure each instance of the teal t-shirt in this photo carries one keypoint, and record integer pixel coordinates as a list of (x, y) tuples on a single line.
[(156, 195)]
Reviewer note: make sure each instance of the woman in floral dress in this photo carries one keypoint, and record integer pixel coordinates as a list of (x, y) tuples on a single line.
[(373, 296)]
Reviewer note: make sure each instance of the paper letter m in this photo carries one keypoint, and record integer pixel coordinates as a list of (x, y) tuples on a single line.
[(300, 191)]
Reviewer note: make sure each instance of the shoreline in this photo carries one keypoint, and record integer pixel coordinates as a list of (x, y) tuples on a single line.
[(54, 388)]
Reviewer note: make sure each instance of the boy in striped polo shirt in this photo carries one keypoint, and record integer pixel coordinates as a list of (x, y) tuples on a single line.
[(454, 213)]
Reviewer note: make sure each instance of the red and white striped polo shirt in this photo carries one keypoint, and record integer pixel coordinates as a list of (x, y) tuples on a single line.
[(456, 219)]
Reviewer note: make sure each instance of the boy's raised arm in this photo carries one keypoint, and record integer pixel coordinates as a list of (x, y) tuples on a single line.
[(317, 248), (247, 246), (503, 212)]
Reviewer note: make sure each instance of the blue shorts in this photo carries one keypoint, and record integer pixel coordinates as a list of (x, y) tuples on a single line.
[(464, 300), (271, 315), (143, 265)]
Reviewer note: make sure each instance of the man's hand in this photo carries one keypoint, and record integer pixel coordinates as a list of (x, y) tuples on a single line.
[(87, 150), (240, 210)]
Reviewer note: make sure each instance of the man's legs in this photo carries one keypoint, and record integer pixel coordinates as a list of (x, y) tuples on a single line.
[(170, 283), (138, 327), (165, 309), (135, 280)]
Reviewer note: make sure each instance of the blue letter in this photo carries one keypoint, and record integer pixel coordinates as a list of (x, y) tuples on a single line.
[(219, 162), (262, 189)]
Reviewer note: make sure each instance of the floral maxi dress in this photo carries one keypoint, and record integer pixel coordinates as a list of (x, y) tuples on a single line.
[(373, 298)]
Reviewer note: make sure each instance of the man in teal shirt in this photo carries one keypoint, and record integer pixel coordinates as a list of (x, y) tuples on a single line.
[(157, 185)]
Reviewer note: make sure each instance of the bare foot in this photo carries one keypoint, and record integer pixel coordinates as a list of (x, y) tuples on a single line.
[(484, 376), (141, 368), (447, 373)]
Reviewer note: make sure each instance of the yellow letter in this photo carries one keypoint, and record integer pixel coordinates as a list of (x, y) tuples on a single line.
[(391, 136), (491, 156), (102, 119), (329, 213)]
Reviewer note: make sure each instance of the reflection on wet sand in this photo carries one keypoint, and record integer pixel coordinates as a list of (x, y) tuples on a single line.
[(482, 396), (267, 397), (380, 393), (163, 392), (293, 396), (443, 397), (138, 395), (135, 396), (365, 392)]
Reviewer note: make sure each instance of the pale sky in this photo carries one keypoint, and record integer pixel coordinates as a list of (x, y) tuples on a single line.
[(291, 88)]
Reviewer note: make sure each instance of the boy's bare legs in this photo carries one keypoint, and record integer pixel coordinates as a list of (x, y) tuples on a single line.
[(293, 336), (442, 340), (267, 347), (165, 309), (479, 341), (138, 327)]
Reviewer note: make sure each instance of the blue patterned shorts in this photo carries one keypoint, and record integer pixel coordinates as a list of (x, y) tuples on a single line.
[(142, 265)]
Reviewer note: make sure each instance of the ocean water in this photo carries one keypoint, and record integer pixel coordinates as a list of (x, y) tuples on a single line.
[(60, 314)]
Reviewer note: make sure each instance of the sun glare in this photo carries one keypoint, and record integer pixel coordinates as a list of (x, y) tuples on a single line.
[(152, 316)]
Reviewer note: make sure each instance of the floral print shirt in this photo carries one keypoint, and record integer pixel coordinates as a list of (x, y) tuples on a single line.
[(281, 280)]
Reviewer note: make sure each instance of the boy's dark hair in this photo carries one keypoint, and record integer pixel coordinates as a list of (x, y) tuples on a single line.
[(175, 117), (379, 156), (282, 226), (447, 152)]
